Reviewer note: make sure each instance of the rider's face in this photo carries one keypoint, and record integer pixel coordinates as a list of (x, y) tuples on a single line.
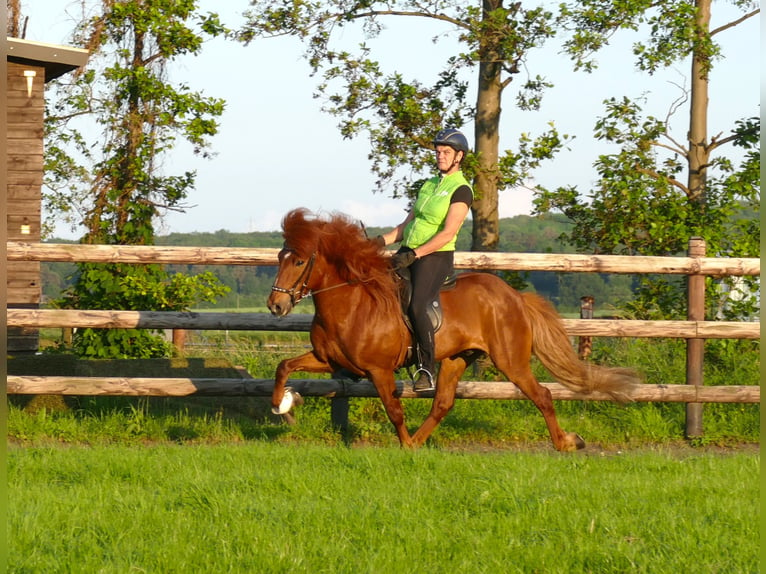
[(447, 159)]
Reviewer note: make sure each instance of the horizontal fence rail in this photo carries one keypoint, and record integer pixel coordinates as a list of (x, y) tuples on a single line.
[(339, 388), (692, 330), (64, 318), (569, 263)]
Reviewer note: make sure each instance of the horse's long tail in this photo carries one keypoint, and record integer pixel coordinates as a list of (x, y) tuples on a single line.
[(550, 343)]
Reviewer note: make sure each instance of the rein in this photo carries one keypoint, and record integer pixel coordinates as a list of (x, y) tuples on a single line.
[(297, 293)]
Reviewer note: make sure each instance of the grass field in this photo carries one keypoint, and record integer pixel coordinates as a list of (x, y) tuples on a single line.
[(110, 484), (301, 508)]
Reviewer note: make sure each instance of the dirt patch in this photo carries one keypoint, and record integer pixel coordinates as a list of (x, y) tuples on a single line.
[(679, 449)]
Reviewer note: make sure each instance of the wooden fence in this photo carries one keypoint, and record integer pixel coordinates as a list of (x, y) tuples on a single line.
[(695, 330)]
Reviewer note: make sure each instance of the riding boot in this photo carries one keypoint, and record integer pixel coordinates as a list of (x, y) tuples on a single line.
[(423, 380)]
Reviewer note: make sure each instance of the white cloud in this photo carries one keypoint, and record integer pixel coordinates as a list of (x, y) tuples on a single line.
[(516, 201), (378, 211)]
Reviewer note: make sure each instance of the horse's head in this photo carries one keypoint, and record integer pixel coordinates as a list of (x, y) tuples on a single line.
[(292, 282), (321, 254), (296, 261)]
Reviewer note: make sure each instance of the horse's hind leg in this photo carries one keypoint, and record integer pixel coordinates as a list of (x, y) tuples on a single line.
[(538, 394), (444, 399), (523, 377)]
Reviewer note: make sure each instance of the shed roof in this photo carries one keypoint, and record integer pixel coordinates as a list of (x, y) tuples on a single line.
[(57, 60)]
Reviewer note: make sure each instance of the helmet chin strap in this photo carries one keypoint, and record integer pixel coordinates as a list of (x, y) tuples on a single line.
[(450, 169)]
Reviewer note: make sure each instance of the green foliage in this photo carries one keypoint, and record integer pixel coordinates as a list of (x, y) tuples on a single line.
[(642, 205), (674, 32), (139, 288), (400, 115), (640, 210), (118, 187)]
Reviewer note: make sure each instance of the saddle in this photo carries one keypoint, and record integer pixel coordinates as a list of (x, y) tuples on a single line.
[(434, 310)]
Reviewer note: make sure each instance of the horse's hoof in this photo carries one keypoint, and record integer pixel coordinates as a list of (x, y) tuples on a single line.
[(286, 404), (572, 443)]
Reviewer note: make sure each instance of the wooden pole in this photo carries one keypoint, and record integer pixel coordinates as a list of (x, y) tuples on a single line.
[(179, 340), (332, 388), (695, 348), (565, 263), (110, 319), (585, 344)]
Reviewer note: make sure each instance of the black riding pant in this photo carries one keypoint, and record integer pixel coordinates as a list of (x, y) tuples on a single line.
[(427, 275)]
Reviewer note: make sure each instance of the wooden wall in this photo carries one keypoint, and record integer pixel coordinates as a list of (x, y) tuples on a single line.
[(24, 147)]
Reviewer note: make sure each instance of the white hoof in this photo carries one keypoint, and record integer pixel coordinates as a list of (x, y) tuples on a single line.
[(286, 404)]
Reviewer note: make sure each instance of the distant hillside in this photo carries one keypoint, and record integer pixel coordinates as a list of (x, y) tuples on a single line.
[(522, 233), (222, 238), (250, 286)]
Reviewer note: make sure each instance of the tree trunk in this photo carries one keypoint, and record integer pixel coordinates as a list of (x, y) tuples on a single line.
[(485, 234), (13, 25), (699, 153)]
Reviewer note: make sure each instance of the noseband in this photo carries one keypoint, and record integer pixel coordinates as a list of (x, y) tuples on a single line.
[(300, 288)]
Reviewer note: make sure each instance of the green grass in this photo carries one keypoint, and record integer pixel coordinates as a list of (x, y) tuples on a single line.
[(265, 507), (120, 484)]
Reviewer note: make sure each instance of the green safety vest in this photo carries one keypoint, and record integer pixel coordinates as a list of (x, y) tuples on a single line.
[(431, 210)]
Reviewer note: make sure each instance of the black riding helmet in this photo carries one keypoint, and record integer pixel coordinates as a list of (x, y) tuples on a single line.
[(453, 138)]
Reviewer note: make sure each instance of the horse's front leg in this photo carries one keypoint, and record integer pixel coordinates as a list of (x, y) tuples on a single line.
[(444, 399), (385, 384), (307, 362)]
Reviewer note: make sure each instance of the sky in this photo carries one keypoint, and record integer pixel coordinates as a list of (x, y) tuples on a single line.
[(276, 150)]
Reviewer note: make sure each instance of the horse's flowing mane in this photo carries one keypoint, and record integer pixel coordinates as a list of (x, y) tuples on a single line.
[(342, 242)]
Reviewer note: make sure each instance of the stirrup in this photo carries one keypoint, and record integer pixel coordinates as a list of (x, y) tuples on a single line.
[(425, 377)]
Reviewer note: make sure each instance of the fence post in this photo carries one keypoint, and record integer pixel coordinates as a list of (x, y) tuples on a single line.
[(585, 343), (339, 406), (179, 340), (695, 348)]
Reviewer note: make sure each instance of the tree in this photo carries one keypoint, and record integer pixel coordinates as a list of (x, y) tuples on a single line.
[(118, 184), (643, 203), (13, 25), (401, 116)]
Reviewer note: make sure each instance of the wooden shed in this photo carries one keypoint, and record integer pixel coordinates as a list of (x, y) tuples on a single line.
[(29, 66)]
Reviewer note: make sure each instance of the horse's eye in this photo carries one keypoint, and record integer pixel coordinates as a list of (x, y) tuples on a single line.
[(299, 263)]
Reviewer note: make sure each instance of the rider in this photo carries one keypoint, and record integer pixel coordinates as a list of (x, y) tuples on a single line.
[(428, 235)]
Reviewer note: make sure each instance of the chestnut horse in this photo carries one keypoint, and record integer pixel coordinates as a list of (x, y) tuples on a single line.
[(358, 326)]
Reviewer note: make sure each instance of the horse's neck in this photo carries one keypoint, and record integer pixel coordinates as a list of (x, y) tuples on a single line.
[(339, 304)]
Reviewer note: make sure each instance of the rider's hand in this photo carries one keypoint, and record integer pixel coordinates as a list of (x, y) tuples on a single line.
[(403, 258)]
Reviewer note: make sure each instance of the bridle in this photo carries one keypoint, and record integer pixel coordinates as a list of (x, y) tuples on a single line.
[(300, 289)]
